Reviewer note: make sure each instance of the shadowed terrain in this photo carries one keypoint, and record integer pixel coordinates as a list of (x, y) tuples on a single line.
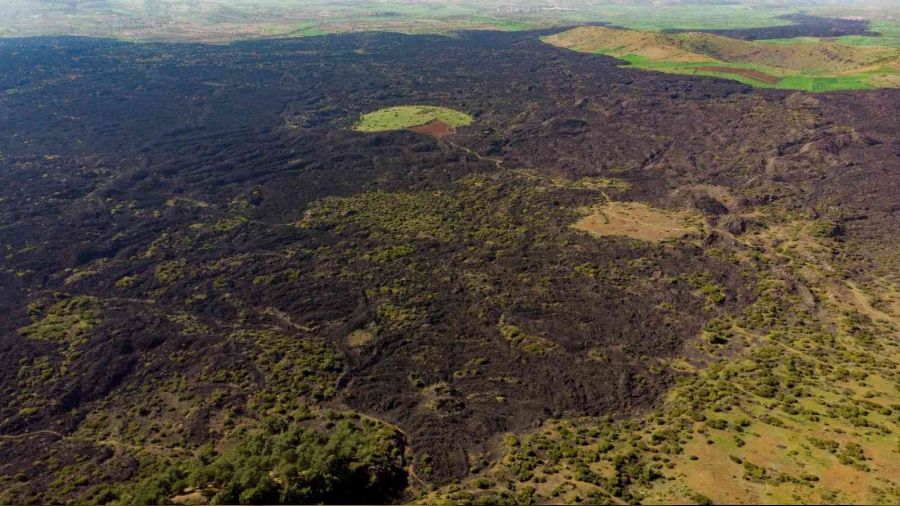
[(802, 25)]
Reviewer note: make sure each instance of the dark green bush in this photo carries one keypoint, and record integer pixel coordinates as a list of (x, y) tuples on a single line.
[(287, 463)]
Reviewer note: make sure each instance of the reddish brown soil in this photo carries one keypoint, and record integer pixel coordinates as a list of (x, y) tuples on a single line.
[(436, 128), (752, 74)]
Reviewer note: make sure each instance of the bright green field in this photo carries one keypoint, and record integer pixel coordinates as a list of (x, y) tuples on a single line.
[(790, 82), (889, 30), (808, 64), (890, 35), (406, 116)]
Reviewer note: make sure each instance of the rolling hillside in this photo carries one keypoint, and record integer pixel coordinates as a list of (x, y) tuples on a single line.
[(810, 64)]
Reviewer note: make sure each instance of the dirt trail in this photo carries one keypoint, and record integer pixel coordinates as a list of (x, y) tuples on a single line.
[(13, 437), (498, 162), (106, 442)]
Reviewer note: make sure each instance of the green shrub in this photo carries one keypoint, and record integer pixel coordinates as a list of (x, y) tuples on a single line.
[(701, 499), (288, 463)]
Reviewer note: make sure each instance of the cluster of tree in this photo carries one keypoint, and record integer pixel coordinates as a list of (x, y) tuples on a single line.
[(287, 463)]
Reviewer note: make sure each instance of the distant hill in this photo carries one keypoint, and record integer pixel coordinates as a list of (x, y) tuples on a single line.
[(229, 20), (614, 42), (812, 64)]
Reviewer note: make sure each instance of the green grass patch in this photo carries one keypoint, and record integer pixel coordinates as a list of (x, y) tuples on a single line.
[(814, 83), (809, 64), (889, 35), (698, 17), (282, 461), (407, 116)]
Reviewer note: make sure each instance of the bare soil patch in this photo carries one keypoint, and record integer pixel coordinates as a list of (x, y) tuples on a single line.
[(435, 128), (752, 74), (638, 221)]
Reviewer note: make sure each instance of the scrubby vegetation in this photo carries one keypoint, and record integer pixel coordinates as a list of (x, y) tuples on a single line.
[(283, 462), (68, 321), (496, 218), (801, 403)]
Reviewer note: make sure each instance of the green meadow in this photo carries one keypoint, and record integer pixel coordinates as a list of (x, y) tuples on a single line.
[(814, 83), (407, 116)]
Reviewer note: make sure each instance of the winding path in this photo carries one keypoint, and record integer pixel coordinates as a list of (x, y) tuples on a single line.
[(13, 437), (498, 162)]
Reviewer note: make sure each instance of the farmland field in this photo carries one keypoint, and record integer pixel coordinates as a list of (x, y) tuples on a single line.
[(811, 64)]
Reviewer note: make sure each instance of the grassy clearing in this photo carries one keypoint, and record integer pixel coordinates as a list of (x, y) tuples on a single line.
[(408, 116), (638, 221), (821, 57), (860, 81), (889, 35), (809, 64)]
